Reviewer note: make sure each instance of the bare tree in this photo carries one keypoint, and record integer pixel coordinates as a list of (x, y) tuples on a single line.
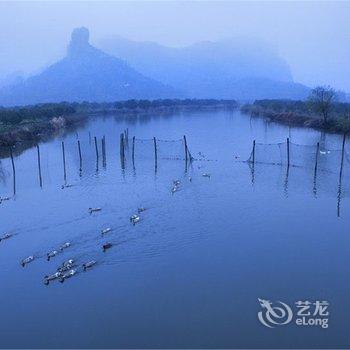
[(321, 100)]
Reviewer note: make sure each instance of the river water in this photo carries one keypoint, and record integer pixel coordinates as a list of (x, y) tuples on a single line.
[(189, 274)]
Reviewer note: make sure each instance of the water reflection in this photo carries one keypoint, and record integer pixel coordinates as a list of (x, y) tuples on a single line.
[(224, 229), (285, 185), (39, 167), (266, 171)]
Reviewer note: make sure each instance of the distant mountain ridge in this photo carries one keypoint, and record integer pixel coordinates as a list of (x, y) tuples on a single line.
[(85, 74), (124, 69), (235, 68)]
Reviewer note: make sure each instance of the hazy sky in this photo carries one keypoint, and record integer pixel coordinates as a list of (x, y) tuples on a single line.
[(314, 37)]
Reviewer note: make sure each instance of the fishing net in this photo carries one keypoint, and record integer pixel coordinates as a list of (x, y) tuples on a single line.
[(269, 153), (171, 149), (304, 156), (166, 149), (143, 149)]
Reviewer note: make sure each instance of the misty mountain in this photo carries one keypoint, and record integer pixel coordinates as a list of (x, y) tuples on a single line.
[(11, 79), (85, 74), (235, 68)]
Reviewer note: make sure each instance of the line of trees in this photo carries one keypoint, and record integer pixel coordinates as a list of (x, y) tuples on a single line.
[(47, 111), (41, 112), (320, 111), (322, 102)]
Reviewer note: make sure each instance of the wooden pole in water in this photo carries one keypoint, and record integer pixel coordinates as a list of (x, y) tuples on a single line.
[(80, 157), (317, 152), (122, 150), (96, 147), (39, 166), (64, 162), (14, 171), (186, 149), (13, 162), (104, 149), (342, 156), (120, 146), (253, 152), (288, 155), (133, 150), (155, 152)]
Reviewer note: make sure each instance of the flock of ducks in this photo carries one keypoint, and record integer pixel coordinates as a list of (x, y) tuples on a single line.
[(66, 270), (53, 253), (69, 268)]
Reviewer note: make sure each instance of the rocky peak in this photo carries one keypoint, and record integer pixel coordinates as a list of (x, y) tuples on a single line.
[(79, 43)]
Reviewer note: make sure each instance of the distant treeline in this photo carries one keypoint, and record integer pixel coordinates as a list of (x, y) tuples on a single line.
[(35, 122), (42, 112), (300, 113), (339, 109), (46, 111), (152, 104)]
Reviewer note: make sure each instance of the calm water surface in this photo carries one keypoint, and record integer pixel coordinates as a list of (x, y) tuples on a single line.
[(190, 273)]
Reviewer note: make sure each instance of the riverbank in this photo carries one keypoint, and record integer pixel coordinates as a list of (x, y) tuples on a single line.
[(38, 122), (297, 113)]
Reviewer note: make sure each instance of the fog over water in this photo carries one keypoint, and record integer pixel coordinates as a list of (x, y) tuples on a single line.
[(313, 37), (190, 272)]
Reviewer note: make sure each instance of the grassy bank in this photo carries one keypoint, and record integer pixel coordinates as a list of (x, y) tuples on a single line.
[(37, 122), (299, 113), (32, 123)]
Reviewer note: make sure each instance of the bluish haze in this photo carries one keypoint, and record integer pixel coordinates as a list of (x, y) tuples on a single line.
[(313, 37)]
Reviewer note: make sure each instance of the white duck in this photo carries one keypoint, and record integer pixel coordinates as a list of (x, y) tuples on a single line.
[(106, 230), (27, 260)]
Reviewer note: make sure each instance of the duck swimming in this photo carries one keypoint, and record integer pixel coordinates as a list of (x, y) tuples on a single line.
[(64, 246), (52, 277), (134, 219), (174, 189), (141, 209), (106, 246), (89, 264), (51, 254), (27, 260), (92, 210), (68, 274), (67, 265), (176, 182), (66, 186), (68, 262), (106, 230), (6, 236), (206, 175)]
